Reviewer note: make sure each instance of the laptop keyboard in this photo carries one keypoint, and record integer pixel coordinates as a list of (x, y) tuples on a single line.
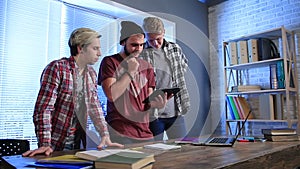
[(218, 140)]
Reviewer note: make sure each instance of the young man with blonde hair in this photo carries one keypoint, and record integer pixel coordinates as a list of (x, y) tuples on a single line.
[(68, 94), (170, 65)]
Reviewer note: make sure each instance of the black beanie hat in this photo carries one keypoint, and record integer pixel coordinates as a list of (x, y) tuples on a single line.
[(129, 28)]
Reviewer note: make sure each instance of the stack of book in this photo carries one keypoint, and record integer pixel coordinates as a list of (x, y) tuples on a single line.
[(280, 134), (118, 158), (130, 160), (245, 88)]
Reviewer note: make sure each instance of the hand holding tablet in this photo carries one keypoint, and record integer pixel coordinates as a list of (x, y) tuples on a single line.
[(161, 92)]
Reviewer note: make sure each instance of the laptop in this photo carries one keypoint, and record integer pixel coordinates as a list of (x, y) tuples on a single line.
[(218, 141)]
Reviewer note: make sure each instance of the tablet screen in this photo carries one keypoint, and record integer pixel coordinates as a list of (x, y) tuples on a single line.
[(161, 92)]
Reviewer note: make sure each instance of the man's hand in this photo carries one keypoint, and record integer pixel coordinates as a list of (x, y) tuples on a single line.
[(133, 66), (106, 142), (160, 101), (42, 150)]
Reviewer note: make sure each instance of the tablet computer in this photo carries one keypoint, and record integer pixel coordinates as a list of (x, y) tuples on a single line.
[(157, 92)]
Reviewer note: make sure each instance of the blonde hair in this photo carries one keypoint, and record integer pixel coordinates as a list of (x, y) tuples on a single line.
[(153, 25), (81, 37)]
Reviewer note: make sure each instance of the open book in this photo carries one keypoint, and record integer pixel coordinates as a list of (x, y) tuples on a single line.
[(65, 159), (93, 155), (162, 146)]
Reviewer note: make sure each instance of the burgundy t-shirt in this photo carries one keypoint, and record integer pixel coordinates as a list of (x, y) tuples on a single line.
[(127, 114)]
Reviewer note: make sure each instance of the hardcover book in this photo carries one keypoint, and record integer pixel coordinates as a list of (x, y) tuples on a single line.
[(234, 108), (162, 146), (252, 50), (245, 107), (230, 108), (233, 53), (65, 159), (93, 155), (242, 52), (17, 161), (239, 108), (279, 131), (293, 137), (130, 160)]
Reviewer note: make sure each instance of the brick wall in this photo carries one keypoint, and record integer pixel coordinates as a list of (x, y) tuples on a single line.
[(236, 18)]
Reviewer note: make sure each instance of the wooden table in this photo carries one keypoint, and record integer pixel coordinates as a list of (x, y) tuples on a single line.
[(243, 155), (255, 155)]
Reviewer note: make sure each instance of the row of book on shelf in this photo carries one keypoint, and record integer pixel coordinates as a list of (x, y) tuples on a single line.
[(270, 107), (277, 76), (251, 50), (238, 107), (277, 79)]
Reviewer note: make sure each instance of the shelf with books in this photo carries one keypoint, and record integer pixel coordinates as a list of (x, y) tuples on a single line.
[(272, 55), (263, 91), (260, 120), (253, 64)]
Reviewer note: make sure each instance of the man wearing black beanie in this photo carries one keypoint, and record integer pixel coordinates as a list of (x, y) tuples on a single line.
[(127, 80)]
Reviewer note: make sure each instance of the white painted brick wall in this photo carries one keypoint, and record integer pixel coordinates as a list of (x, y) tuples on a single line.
[(235, 18)]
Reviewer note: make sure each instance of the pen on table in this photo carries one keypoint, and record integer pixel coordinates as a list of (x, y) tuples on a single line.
[(246, 140)]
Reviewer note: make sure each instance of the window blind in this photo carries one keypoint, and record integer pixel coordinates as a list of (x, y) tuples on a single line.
[(33, 33)]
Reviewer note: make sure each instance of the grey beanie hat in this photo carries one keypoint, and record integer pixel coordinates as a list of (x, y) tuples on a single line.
[(129, 28), (153, 25)]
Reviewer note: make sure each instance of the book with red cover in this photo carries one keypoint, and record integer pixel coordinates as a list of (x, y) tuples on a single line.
[(239, 108)]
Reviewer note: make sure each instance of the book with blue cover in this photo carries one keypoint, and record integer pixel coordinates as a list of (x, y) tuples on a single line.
[(230, 108), (65, 159), (60, 165), (19, 162)]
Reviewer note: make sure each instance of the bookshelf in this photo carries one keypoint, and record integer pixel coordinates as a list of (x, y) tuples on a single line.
[(279, 80)]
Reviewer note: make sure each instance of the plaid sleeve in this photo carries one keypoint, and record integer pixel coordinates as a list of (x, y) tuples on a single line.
[(183, 59), (94, 109), (45, 105)]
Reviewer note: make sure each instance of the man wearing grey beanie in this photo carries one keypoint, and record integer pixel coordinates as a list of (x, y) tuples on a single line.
[(127, 80), (170, 65)]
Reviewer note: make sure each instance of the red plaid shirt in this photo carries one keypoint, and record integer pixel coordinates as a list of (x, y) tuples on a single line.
[(55, 104)]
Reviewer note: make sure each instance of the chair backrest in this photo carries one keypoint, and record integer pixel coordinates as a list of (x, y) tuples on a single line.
[(10, 147)]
